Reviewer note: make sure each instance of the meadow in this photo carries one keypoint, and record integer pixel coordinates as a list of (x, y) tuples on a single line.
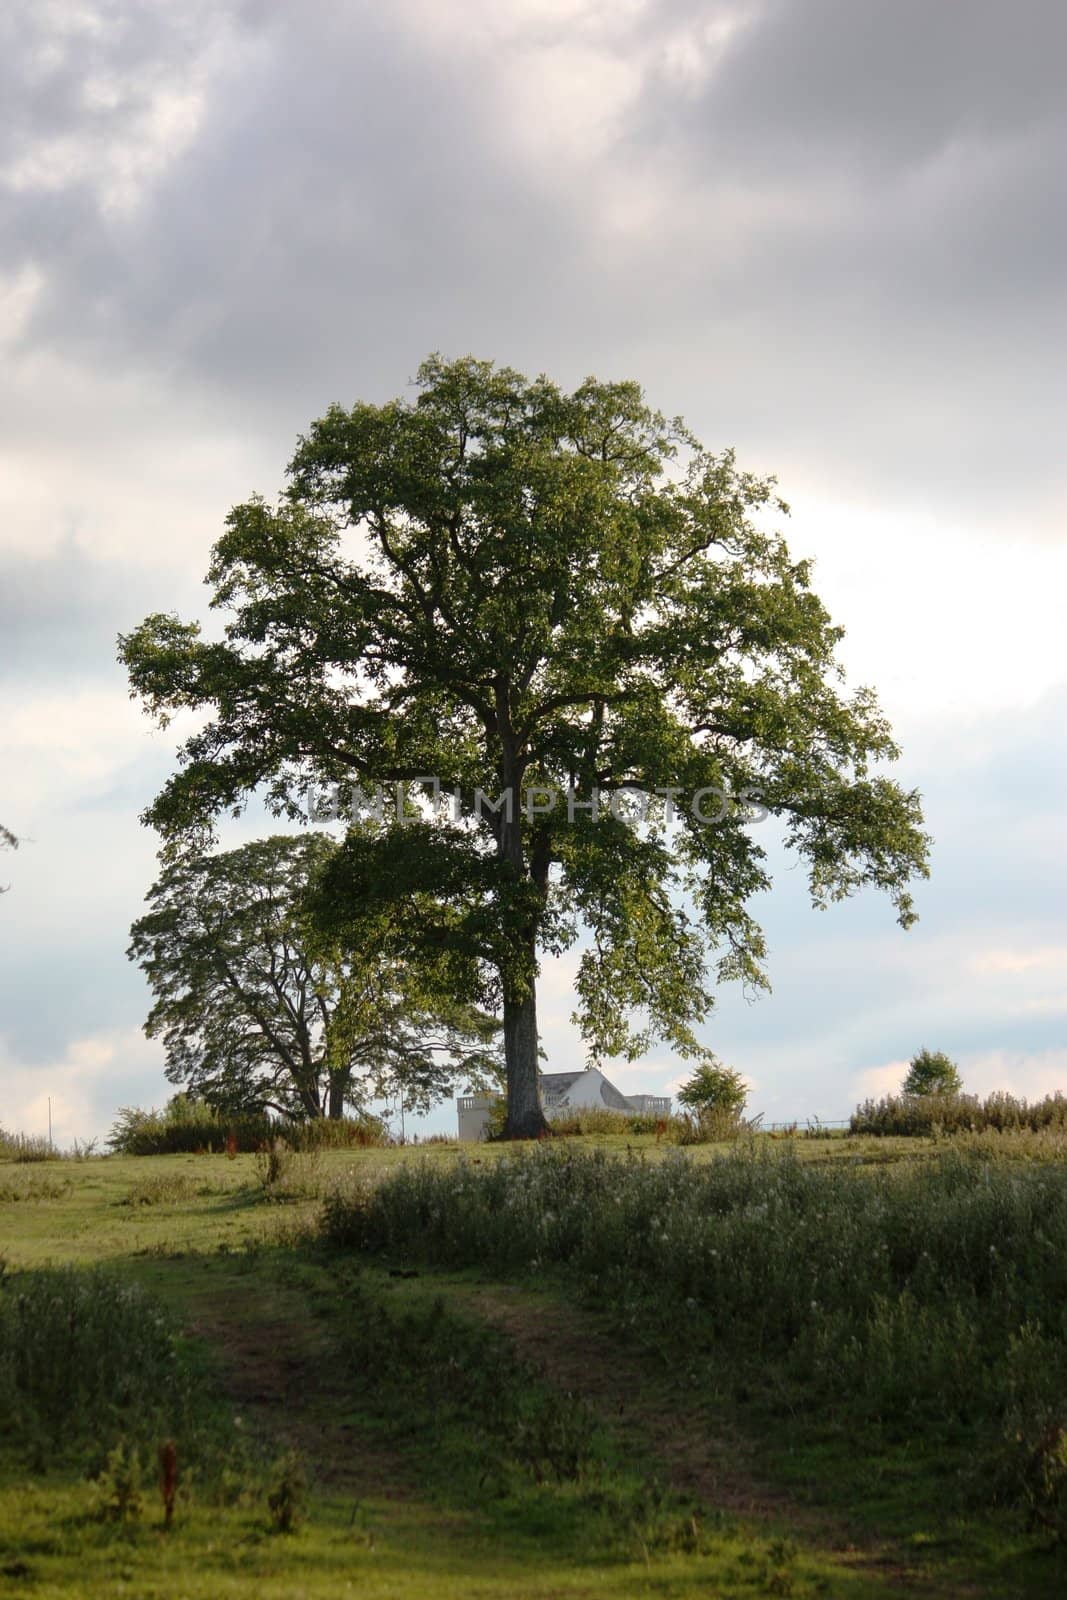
[(606, 1366)]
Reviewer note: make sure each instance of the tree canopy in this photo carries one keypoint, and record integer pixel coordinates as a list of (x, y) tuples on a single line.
[(258, 1014), (932, 1072), (532, 593), (714, 1087)]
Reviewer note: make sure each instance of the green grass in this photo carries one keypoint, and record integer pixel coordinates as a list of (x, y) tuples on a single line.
[(458, 1436)]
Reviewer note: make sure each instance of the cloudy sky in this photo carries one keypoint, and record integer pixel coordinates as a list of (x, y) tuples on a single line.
[(829, 232)]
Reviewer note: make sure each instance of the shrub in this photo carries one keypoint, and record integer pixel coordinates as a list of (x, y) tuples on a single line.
[(163, 1188), (26, 1147), (716, 1088), (932, 1072), (924, 1115), (187, 1126), (287, 1493), (184, 1127), (119, 1485), (339, 1133), (84, 1357), (710, 1125), (33, 1186), (583, 1121)]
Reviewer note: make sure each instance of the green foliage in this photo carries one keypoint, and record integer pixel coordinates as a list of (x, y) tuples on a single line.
[(26, 1147), (504, 1434), (547, 589), (32, 1187), (932, 1072), (714, 1087), (923, 1115), (259, 1016), (710, 1125), (287, 1493), (159, 1189), (119, 1485), (85, 1359), (187, 1126), (364, 1132), (889, 1298)]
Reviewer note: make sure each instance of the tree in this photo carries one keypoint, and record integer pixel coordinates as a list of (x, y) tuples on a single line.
[(257, 1015), (8, 841), (521, 591), (932, 1072), (714, 1087)]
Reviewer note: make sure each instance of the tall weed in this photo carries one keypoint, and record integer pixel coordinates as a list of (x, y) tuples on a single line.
[(894, 1293)]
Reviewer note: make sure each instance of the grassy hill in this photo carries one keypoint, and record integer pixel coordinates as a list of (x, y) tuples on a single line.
[(599, 1369)]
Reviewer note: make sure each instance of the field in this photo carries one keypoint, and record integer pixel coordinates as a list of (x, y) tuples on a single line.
[(601, 1368)]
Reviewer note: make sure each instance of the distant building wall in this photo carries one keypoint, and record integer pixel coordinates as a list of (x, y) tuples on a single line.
[(581, 1091), (651, 1105), (473, 1110)]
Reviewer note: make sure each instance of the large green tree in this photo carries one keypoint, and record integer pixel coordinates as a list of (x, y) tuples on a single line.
[(258, 1013), (515, 589)]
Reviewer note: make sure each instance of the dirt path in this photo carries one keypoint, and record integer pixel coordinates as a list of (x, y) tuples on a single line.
[(279, 1366), (572, 1349)]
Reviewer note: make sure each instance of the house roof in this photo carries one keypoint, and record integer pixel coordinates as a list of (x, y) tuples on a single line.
[(556, 1085), (559, 1082), (612, 1098)]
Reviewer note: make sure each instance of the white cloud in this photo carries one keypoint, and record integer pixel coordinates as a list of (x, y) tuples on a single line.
[(1028, 1074), (874, 1082), (86, 1084)]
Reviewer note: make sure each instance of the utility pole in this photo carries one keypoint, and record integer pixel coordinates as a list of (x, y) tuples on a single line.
[(49, 1122)]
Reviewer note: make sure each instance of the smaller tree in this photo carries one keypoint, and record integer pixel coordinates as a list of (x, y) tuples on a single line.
[(714, 1087), (932, 1072), (257, 1014), (8, 841)]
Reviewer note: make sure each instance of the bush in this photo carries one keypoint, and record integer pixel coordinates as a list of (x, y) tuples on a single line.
[(185, 1127), (710, 1125), (715, 1088), (84, 1356), (26, 1147), (339, 1133), (932, 1072), (928, 1114), (583, 1121), (188, 1127)]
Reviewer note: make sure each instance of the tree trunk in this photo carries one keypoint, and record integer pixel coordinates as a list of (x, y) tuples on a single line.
[(526, 1119), (525, 1114), (336, 1106)]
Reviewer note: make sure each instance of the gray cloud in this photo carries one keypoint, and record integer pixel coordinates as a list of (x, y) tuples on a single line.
[(851, 264), (831, 233), (61, 610)]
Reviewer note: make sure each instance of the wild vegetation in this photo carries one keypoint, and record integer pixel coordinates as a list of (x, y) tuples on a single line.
[(920, 1116), (916, 1299), (187, 1125), (365, 1359), (932, 1072)]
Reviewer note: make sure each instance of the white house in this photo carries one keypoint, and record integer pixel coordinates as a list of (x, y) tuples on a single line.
[(562, 1092)]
